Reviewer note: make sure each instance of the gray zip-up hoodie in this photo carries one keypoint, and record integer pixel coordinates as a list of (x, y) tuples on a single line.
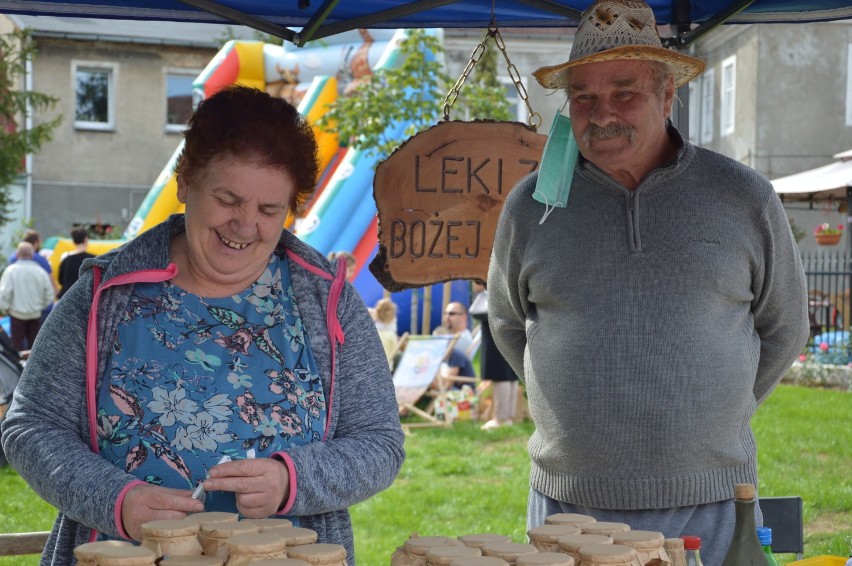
[(648, 325), (49, 431)]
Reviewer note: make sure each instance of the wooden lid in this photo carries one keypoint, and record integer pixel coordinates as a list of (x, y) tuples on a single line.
[(192, 561), (573, 543), (744, 491), (640, 540), (551, 533), (227, 530), (125, 556), (269, 524), (545, 559), (607, 553), (477, 540), (445, 555), (479, 561), (297, 535), (420, 545), (170, 528), (508, 551), (210, 517), (603, 528), (322, 553), (87, 550), (256, 543), (673, 544), (568, 519), (279, 562)]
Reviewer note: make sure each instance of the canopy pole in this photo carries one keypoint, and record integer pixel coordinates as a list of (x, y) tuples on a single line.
[(849, 215)]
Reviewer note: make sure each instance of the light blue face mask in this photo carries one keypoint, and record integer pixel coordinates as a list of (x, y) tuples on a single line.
[(557, 166)]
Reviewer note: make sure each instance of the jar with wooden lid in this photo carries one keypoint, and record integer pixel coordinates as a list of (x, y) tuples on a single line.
[(125, 556), (413, 551), (675, 550), (479, 539), (608, 555), (280, 562), (85, 553), (479, 561), (245, 549), (172, 537), (545, 559), (568, 519), (210, 517), (297, 536), (445, 555), (214, 537), (603, 528), (571, 544), (320, 554), (546, 537), (647, 544), (268, 524), (508, 551), (192, 561)]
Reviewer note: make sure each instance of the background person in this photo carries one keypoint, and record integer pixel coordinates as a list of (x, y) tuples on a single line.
[(651, 315), (384, 314), (25, 291), (33, 237), (214, 333), (455, 322), (69, 266)]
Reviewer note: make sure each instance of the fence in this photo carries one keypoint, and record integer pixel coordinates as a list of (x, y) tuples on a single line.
[(829, 278)]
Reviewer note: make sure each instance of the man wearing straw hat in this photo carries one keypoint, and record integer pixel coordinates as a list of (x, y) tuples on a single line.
[(649, 293)]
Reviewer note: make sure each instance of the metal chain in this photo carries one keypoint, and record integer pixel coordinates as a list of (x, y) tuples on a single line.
[(534, 118)]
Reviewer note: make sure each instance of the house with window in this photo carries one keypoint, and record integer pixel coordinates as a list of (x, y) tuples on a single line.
[(124, 91), (777, 97)]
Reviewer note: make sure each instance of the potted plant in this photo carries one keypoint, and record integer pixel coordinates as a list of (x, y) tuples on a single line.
[(826, 235)]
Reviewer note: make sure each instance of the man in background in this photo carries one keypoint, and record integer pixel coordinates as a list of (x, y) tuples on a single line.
[(25, 290), (69, 267)]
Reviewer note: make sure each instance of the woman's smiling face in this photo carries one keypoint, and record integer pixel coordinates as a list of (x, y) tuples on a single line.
[(235, 212)]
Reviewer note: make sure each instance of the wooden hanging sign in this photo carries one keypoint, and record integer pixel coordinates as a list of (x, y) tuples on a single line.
[(439, 196)]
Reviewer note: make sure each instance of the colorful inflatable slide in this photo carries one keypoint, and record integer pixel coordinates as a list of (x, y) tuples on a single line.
[(341, 215)]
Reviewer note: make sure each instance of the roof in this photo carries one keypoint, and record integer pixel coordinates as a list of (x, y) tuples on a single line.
[(189, 34)]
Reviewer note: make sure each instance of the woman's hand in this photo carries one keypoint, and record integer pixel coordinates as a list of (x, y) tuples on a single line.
[(261, 485), (145, 502)]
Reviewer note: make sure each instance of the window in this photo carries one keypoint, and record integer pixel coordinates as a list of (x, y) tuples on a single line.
[(94, 96), (694, 110), (178, 99), (849, 84), (708, 81), (729, 96)]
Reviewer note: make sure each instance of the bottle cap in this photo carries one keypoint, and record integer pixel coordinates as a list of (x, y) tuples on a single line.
[(764, 535), (744, 491), (691, 543)]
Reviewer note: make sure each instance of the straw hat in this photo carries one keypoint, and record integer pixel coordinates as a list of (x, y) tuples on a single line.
[(614, 30)]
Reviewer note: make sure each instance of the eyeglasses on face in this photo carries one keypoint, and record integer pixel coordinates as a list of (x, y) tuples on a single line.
[(454, 313)]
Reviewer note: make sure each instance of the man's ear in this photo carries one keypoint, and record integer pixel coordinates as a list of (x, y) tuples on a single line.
[(182, 190), (668, 97)]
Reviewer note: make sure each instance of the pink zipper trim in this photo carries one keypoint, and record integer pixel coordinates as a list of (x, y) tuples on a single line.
[(145, 276)]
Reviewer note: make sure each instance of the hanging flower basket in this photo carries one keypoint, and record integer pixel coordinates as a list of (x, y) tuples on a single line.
[(828, 239)]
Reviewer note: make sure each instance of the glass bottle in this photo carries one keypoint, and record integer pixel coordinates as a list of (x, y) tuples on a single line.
[(692, 546), (744, 549), (764, 535)]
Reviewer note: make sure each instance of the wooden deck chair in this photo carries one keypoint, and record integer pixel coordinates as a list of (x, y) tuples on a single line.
[(416, 371)]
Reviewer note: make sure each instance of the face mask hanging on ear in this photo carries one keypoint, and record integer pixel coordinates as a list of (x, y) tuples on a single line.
[(557, 166)]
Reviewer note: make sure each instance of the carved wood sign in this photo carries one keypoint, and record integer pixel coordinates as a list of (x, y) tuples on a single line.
[(439, 196)]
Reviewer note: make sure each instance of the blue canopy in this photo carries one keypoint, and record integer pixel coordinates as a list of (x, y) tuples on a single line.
[(300, 21)]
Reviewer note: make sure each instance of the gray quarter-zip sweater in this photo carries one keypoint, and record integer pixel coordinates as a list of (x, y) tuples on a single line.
[(48, 432), (648, 325)]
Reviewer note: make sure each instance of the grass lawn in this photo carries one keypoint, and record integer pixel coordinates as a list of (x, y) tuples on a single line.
[(462, 480)]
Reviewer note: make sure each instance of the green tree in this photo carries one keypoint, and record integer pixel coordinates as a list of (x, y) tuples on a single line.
[(16, 141), (411, 93)]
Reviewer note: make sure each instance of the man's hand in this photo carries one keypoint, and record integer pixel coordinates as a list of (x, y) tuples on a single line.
[(261, 485), (145, 502)]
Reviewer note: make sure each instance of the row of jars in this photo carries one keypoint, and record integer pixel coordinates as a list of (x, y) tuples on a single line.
[(566, 539), (215, 539)]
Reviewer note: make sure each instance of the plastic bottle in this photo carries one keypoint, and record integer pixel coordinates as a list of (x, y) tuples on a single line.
[(692, 546), (745, 549), (764, 535)]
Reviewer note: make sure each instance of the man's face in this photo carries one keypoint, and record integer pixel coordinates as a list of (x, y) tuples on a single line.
[(455, 319), (617, 117)]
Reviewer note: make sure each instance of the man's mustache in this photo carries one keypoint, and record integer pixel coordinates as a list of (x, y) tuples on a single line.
[(594, 133)]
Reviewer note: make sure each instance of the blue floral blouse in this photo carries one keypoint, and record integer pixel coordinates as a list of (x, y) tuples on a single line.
[(194, 379)]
